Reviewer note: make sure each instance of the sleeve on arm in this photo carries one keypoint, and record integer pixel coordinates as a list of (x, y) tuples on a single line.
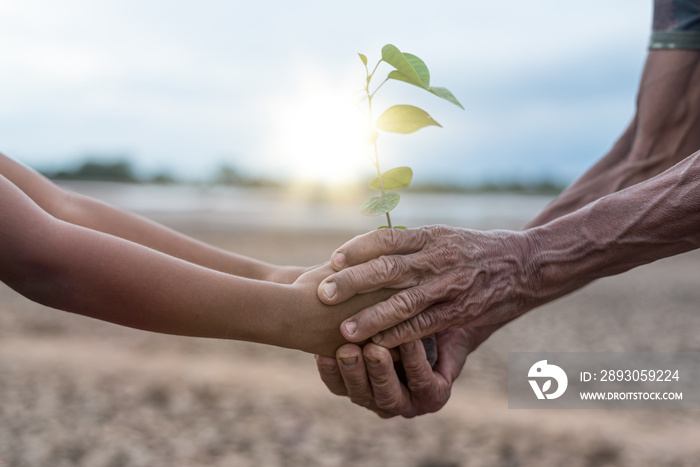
[(676, 25)]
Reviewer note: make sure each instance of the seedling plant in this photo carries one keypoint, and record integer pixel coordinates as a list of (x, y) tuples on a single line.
[(403, 119)]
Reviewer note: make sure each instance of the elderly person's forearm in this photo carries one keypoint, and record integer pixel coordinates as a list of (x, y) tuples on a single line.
[(457, 277), (638, 225)]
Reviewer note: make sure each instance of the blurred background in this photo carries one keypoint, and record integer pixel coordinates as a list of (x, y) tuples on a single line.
[(236, 123), (265, 87)]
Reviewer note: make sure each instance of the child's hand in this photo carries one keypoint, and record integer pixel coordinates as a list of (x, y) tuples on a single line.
[(286, 274), (314, 327)]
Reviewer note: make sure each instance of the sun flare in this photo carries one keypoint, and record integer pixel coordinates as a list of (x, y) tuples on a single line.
[(320, 131)]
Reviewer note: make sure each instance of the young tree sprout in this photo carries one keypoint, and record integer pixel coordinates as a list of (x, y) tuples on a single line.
[(403, 119)]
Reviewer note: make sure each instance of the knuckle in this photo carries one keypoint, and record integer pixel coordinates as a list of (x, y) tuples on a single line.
[(407, 303), (417, 326), (389, 402), (387, 268), (356, 388), (387, 239), (452, 314), (350, 276), (381, 381), (426, 321), (420, 385), (402, 332), (423, 321), (436, 232)]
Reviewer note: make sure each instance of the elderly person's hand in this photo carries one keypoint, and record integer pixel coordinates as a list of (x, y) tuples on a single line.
[(368, 376), (452, 278)]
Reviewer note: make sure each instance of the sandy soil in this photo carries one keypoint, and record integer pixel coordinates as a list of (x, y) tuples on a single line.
[(78, 392)]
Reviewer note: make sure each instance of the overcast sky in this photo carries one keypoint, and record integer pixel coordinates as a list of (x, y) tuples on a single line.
[(547, 85)]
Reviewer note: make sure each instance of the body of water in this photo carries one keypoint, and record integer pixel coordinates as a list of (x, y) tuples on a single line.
[(224, 207)]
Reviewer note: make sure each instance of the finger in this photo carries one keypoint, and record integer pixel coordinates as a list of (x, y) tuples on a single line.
[(377, 243), (430, 321), (394, 272), (389, 394), (419, 374), (429, 389), (352, 370), (452, 365), (402, 310), (330, 375)]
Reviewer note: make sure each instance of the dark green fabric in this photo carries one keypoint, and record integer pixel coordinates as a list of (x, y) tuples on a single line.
[(675, 40), (676, 25)]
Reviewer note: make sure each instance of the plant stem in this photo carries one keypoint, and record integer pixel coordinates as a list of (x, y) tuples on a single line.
[(376, 152), (381, 182), (375, 68), (378, 87)]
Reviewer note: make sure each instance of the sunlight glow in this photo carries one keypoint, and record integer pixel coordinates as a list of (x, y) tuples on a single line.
[(320, 131)]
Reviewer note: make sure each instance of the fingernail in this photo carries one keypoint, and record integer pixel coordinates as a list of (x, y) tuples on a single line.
[(371, 361), (329, 288), (377, 338), (329, 370), (349, 361), (350, 327), (408, 348), (339, 260)]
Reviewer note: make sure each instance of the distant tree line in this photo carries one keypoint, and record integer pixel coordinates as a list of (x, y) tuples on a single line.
[(116, 171), (122, 170)]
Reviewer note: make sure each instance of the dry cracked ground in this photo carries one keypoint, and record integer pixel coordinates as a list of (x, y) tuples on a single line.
[(78, 392)]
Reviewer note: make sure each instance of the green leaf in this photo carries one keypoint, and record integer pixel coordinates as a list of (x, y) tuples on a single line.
[(404, 119), (394, 179), (420, 68), (400, 227), (444, 93), (413, 70), (395, 58), (383, 227), (363, 58), (380, 204), (397, 75)]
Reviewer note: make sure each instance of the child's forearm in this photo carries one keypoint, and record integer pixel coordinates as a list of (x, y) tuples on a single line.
[(95, 215), (80, 270), (124, 283)]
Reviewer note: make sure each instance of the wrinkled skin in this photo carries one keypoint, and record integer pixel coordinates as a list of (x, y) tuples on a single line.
[(366, 374), (451, 278), (663, 132)]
